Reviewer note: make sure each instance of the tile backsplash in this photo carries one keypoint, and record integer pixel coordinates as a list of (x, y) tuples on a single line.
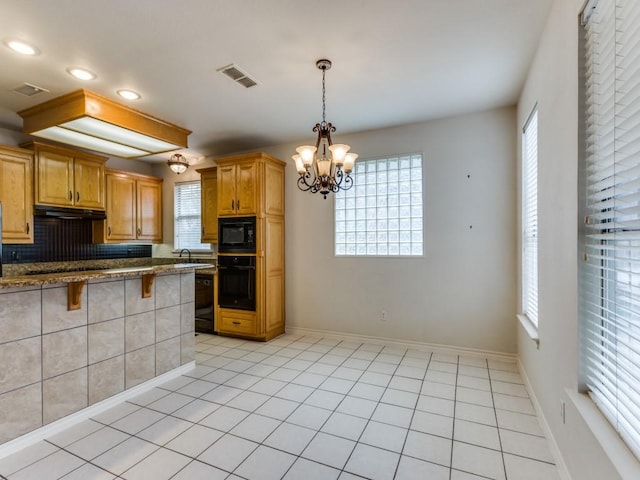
[(61, 240)]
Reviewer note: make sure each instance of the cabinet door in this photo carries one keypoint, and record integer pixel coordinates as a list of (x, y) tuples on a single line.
[(209, 207), (16, 183), (273, 194), (227, 190), (121, 208), (149, 205), (54, 178), (88, 183), (246, 183), (273, 275)]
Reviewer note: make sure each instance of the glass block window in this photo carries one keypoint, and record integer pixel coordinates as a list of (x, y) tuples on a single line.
[(381, 215)]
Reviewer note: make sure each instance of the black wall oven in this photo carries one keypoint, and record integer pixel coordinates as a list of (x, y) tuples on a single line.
[(237, 235), (237, 282)]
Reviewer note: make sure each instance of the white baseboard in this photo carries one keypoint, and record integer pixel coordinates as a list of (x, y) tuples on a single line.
[(563, 471), (431, 347), (52, 428)]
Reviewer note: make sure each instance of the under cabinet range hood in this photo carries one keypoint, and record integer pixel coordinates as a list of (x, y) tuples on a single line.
[(88, 120), (68, 213)]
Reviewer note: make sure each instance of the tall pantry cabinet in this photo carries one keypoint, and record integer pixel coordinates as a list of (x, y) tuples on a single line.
[(253, 185)]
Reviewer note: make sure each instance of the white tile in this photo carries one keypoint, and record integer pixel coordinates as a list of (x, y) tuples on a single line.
[(438, 366), (384, 436), (473, 371), (375, 378), (414, 469), (329, 450), (296, 393), (54, 466), (526, 445), (177, 383), (459, 475), (267, 386), (358, 407), (228, 452), (408, 371), (309, 416), (165, 430), (365, 390), (290, 438), (260, 370), (76, 432), (284, 374), (309, 470), (432, 423), (160, 465), (337, 385), (382, 367), (248, 401), (478, 460), (476, 397), (373, 463), (346, 426), (274, 361), (124, 455), (224, 418), (445, 357), (513, 404), (501, 365), (322, 369), (216, 362), (310, 356), (519, 422), (200, 471), (308, 379), (437, 405), (476, 413), (323, 399), (406, 384), (26, 456), (194, 441), (219, 376), (388, 358), (256, 427), (428, 447), (199, 371), (265, 464), (357, 363), (196, 410), (364, 355), (116, 413), (239, 366), (509, 388), (277, 408), (519, 468), (393, 415), (255, 357), (170, 403), (96, 443), (437, 376), (347, 373), (89, 472), (441, 390), (137, 421), (242, 381), (197, 388), (503, 376), (399, 398), (222, 394), (473, 361), (149, 396), (474, 382), (476, 434)]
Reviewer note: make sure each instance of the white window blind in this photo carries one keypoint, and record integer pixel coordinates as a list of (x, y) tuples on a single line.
[(381, 215), (530, 218), (187, 224), (610, 272)]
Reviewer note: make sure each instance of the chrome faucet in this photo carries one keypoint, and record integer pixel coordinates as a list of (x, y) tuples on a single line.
[(188, 251)]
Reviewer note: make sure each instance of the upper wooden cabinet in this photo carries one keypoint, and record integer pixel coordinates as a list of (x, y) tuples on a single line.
[(68, 178), (134, 209), (16, 194), (250, 185), (209, 204)]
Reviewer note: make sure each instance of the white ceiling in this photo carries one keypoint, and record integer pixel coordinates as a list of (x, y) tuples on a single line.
[(394, 62)]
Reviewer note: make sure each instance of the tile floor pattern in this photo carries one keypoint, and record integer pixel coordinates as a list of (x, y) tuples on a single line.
[(302, 407)]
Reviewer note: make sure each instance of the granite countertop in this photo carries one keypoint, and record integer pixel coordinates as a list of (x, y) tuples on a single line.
[(78, 276)]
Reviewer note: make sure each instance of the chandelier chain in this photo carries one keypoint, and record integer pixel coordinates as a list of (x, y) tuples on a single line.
[(324, 122)]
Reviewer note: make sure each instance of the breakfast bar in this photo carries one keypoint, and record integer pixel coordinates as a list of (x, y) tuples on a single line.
[(72, 339)]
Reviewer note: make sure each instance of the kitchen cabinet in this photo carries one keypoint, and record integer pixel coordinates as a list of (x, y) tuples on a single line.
[(16, 194), (256, 179), (134, 209), (209, 204), (68, 178)]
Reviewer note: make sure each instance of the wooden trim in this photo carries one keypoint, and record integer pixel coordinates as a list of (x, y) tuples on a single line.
[(147, 284), (74, 294)]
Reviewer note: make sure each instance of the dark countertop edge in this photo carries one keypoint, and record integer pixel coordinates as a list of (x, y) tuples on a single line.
[(68, 277)]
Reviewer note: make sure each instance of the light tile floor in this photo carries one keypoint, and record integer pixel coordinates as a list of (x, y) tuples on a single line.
[(302, 407)]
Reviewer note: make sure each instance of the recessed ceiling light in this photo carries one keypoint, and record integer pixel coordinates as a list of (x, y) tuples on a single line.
[(128, 94), (81, 73), (21, 47)]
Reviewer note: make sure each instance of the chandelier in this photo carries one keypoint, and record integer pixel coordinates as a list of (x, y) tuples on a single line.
[(319, 170), (178, 164)]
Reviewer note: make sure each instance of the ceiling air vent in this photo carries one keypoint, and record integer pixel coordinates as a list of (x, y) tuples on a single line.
[(29, 90), (234, 73)]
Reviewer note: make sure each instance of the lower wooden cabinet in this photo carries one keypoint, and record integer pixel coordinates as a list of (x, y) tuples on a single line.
[(237, 322)]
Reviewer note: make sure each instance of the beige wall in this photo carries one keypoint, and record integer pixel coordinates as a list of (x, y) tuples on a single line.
[(553, 368)]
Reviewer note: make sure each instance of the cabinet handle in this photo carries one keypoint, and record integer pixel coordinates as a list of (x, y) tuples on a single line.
[(70, 195), (232, 205), (203, 231), (236, 323), (108, 231), (238, 204), (27, 228), (77, 196), (138, 231)]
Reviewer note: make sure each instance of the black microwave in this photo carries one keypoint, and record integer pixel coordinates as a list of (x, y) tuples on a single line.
[(237, 235)]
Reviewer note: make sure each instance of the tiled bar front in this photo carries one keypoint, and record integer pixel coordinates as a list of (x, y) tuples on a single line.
[(54, 362)]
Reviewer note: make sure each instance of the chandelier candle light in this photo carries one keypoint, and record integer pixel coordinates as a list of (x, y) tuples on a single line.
[(319, 172)]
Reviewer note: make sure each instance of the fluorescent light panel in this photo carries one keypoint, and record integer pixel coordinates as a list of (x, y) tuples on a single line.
[(70, 137)]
